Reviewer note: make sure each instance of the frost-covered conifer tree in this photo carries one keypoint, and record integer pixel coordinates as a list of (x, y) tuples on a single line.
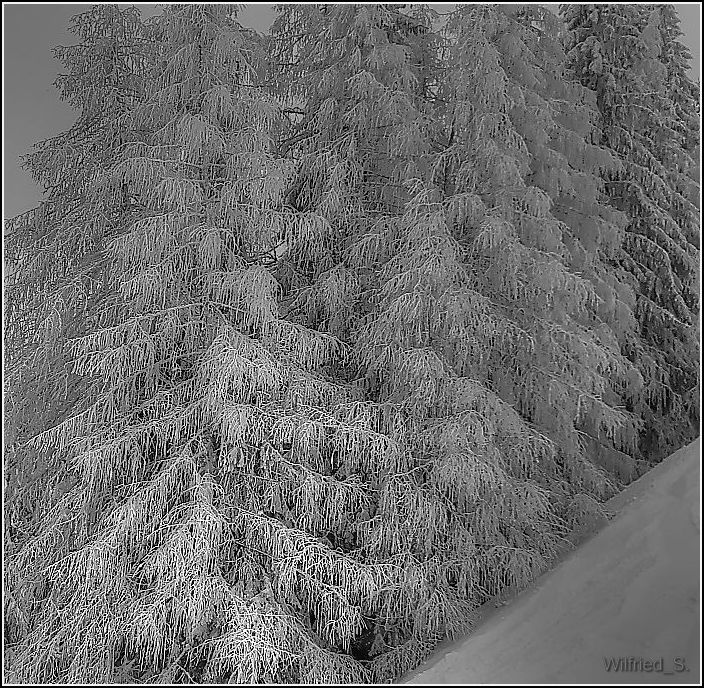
[(683, 92), (568, 164), (361, 76), (52, 249), (630, 57), (558, 369), (182, 453), (55, 285)]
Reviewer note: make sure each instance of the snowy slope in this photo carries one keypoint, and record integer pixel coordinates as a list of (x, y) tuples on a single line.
[(631, 591)]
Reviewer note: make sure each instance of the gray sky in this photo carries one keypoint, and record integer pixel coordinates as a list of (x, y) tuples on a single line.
[(33, 112)]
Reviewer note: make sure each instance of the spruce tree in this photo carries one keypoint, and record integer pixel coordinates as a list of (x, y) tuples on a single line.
[(146, 564), (630, 57), (682, 91), (568, 163), (360, 75), (52, 249), (54, 284), (506, 127)]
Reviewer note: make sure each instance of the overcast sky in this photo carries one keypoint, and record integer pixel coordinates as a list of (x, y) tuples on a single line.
[(33, 112)]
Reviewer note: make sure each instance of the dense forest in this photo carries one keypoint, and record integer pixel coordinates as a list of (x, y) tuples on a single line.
[(322, 338)]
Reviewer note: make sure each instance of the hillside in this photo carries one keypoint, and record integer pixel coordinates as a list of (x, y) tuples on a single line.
[(631, 591)]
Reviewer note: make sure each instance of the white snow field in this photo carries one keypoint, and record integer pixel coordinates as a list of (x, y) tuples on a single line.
[(631, 592)]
